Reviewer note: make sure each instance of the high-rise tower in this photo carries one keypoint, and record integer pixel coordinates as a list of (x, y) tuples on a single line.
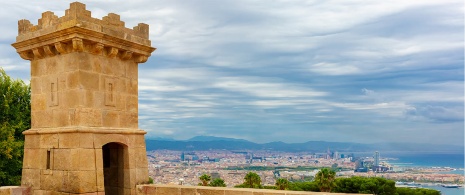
[(376, 157), (84, 136)]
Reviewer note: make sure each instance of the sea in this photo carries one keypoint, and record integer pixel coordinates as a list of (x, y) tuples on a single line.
[(425, 159)]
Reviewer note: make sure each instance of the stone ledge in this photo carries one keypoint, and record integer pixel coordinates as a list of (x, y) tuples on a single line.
[(156, 189), (15, 190), (80, 129)]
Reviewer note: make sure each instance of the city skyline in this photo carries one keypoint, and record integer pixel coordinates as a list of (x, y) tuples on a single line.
[(355, 71)]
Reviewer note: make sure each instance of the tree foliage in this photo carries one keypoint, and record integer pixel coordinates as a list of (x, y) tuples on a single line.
[(251, 180), (325, 179), (15, 117), (304, 186), (205, 179), (364, 185), (218, 182), (282, 184), (417, 191)]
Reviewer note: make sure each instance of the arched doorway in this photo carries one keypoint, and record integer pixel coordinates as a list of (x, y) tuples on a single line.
[(114, 159)]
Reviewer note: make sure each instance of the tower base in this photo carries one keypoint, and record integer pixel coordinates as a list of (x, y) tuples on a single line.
[(84, 160)]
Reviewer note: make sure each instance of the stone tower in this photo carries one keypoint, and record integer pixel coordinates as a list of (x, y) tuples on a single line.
[(84, 136)]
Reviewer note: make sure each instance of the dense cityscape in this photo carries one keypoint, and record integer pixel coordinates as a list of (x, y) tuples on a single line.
[(185, 168)]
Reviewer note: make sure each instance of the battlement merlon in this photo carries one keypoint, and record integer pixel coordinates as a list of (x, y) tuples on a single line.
[(78, 31)]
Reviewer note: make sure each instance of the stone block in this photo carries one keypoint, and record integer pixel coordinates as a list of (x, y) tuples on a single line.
[(31, 141), (107, 68), (48, 140), (39, 68), (168, 190), (118, 67), (30, 158), (30, 178), (99, 97), (72, 98), (100, 180), (74, 187), (129, 120), (39, 102), (35, 69), (262, 192), (212, 191), (110, 118), (51, 66), (98, 158), (88, 181), (36, 87), (137, 141), (97, 65), (141, 158), (84, 61), (238, 191), (69, 61), (120, 101), (89, 80), (88, 117), (87, 99), (131, 159), (63, 159), (69, 140), (132, 87), (41, 119), (132, 70), (83, 181), (142, 175), (129, 191), (38, 192), (151, 190), (131, 103), (102, 139), (189, 191), (51, 182), (86, 140), (87, 159), (72, 80), (268, 192), (66, 183), (60, 118), (130, 177), (121, 85)]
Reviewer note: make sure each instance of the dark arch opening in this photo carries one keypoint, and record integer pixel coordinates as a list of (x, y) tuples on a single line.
[(114, 155)]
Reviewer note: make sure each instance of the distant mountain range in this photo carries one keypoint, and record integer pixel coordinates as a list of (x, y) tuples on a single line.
[(221, 143)]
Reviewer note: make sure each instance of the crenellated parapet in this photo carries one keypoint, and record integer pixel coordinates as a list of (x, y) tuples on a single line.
[(77, 31)]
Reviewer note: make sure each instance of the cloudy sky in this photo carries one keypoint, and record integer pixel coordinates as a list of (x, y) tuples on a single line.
[(354, 71)]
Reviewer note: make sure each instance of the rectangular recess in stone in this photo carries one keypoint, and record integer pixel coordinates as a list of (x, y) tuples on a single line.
[(53, 92), (109, 92)]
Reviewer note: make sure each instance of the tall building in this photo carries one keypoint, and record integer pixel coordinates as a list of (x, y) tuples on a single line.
[(376, 157)]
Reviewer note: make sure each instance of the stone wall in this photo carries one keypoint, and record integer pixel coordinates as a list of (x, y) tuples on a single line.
[(14, 190), (200, 190), (183, 190)]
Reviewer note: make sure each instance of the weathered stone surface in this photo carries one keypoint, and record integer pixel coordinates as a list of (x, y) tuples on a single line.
[(151, 189), (32, 141), (30, 178), (168, 190), (14, 190)]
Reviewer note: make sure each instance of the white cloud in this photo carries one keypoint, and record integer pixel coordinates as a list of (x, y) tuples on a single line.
[(236, 67)]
